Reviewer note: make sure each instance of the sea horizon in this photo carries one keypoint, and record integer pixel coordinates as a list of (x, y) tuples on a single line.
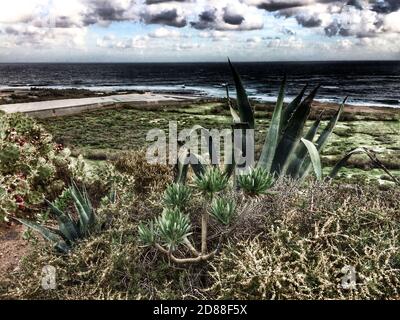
[(367, 83)]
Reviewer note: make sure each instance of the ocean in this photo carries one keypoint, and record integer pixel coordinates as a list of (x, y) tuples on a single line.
[(366, 83)]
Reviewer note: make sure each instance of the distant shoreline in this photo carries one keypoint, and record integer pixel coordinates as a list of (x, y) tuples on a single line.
[(14, 95)]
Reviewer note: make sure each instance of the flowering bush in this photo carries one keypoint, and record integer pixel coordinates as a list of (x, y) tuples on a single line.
[(31, 166)]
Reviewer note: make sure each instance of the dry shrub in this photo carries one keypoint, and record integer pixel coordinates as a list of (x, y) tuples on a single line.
[(307, 235), (148, 177)]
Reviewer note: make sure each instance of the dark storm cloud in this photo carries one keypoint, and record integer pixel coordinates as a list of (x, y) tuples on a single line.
[(104, 10), (206, 19), (166, 17), (11, 31), (277, 5), (232, 17), (308, 21), (359, 4), (386, 6)]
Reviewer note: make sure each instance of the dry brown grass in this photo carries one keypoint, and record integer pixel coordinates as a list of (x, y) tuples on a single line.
[(305, 237)]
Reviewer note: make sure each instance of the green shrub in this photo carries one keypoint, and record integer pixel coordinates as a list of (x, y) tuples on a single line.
[(148, 177), (31, 166)]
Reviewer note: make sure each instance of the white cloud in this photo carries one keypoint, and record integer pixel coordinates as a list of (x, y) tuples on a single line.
[(165, 33), (297, 24)]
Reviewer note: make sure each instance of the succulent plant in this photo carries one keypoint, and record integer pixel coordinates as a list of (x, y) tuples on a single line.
[(256, 182), (212, 181), (223, 210), (177, 196), (173, 227), (69, 230), (288, 149)]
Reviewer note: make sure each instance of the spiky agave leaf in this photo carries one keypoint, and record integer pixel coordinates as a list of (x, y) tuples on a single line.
[(183, 166), (292, 134), (315, 158), (84, 209), (301, 152), (290, 109), (67, 226), (367, 152), (274, 132), (322, 140), (234, 114), (47, 234), (230, 163), (246, 112)]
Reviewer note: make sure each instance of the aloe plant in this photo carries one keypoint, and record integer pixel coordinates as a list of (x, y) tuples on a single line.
[(69, 230)]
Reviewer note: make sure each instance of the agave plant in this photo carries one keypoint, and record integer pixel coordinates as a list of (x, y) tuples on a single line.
[(256, 182), (69, 230), (288, 150)]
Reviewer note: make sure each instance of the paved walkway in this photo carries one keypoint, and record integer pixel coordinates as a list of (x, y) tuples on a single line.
[(147, 98)]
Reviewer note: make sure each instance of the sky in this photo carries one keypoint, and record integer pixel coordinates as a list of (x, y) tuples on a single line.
[(198, 30)]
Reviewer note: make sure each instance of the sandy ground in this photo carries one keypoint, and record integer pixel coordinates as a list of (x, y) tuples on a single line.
[(151, 98), (12, 248)]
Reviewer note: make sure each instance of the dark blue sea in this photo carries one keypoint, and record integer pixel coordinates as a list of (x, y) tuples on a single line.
[(366, 83)]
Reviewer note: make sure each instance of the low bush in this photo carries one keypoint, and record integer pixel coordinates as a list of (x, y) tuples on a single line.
[(31, 166), (148, 177)]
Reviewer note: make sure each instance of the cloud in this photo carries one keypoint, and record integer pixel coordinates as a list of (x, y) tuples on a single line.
[(229, 16), (232, 17), (169, 17), (266, 23), (308, 21), (164, 33), (386, 6), (112, 42)]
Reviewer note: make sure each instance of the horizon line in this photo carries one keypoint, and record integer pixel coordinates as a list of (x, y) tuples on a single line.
[(206, 61)]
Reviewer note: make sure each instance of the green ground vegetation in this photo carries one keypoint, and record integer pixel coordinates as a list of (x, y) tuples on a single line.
[(99, 135)]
